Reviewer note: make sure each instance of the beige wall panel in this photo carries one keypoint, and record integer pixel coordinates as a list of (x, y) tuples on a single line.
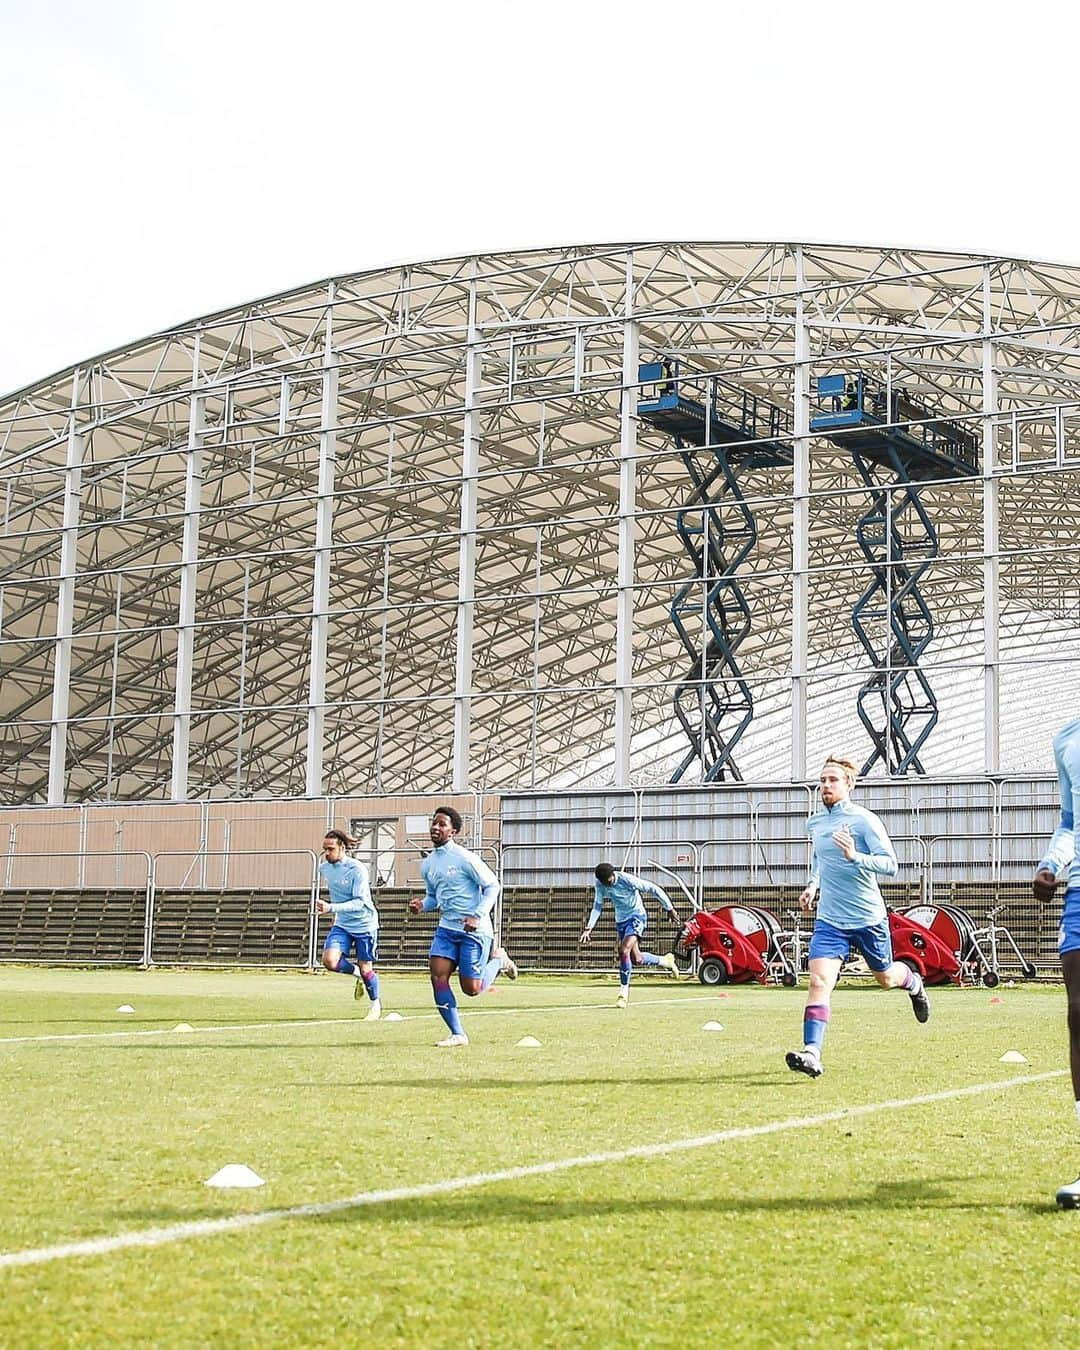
[(240, 845)]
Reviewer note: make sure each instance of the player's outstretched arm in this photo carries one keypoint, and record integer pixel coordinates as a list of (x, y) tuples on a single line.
[(594, 914)]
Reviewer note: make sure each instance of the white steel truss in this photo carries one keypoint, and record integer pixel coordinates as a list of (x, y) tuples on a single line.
[(405, 530)]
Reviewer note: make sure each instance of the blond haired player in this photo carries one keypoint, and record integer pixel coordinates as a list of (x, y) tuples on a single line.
[(850, 851)]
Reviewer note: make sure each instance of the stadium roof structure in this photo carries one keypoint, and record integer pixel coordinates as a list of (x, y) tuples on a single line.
[(416, 528)]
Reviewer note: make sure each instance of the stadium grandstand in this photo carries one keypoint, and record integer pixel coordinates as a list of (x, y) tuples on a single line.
[(608, 546)]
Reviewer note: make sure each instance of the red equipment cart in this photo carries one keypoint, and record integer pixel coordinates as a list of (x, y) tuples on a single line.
[(736, 944), (923, 949)]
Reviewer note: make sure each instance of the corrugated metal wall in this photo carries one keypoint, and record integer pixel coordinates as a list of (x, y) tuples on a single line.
[(945, 831)]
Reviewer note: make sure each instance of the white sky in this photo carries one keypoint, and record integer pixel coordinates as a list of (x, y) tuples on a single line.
[(164, 159)]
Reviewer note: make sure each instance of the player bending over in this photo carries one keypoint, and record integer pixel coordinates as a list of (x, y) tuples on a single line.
[(625, 892), (850, 851), (356, 920), (465, 889), (1064, 849)]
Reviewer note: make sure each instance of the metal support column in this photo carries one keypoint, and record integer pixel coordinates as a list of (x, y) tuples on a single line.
[(624, 622), (189, 582), (65, 604), (991, 566), (470, 468), (324, 538), (800, 529)]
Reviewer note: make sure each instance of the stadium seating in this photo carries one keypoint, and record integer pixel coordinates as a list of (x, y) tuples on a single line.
[(540, 925), (83, 927)]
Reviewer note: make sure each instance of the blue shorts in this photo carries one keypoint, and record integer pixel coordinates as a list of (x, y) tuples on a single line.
[(1069, 932), (468, 951), (367, 944), (634, 926), (875, 943)]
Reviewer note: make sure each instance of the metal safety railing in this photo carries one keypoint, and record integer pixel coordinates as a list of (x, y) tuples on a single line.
[(138, 907), (95, 925), (311, 880)]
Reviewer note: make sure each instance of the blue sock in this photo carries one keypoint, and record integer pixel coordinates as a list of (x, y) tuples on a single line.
[(625, 966), (447, 1006), (345, 966), (371, 984), (490, 971), (815, 1023), (649, 959)]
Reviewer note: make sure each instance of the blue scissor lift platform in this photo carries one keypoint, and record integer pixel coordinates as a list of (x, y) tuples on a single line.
[(896, 534), (713, 702)]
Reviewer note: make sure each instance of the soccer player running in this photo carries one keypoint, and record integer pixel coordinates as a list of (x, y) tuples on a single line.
[(850, 851), (625, 892), (465, 889), (1064, 850), (356, 920)]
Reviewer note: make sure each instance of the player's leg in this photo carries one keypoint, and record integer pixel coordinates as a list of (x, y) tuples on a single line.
[(336, 949), (507, 967), (367, 954), (1070, 968), (875, 943), (497, 963), (477, 966), (628, 950), (442, 962), (665, 962), (828, 948), (1069, 1196)]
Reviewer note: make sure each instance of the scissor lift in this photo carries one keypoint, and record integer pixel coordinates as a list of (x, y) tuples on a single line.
[(859, 413), (713, 702)]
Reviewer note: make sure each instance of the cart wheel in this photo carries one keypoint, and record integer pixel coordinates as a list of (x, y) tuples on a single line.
[(713, 972), (991, 979), (1030, 973), (789, 980)]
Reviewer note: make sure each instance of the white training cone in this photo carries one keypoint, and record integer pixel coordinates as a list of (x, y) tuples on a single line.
[(125, 1007), (392, 1017), (712, 1026), (528, 1043), (235, 1175), (1012, 1057), (183, 1026)]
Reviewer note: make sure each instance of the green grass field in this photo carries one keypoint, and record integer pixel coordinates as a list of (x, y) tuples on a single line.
[(890, 1226)]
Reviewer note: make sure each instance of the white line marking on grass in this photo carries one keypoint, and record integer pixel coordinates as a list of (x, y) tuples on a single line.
[(339, 1021), (182, 1232), (166, 1031)]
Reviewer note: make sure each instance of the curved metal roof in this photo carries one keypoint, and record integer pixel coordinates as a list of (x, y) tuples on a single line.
[(192, 519)]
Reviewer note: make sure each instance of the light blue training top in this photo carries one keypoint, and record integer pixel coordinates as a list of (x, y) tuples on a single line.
[(849, 890), (1064, 846), (350, 895), (625, 894), (461, 885)]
